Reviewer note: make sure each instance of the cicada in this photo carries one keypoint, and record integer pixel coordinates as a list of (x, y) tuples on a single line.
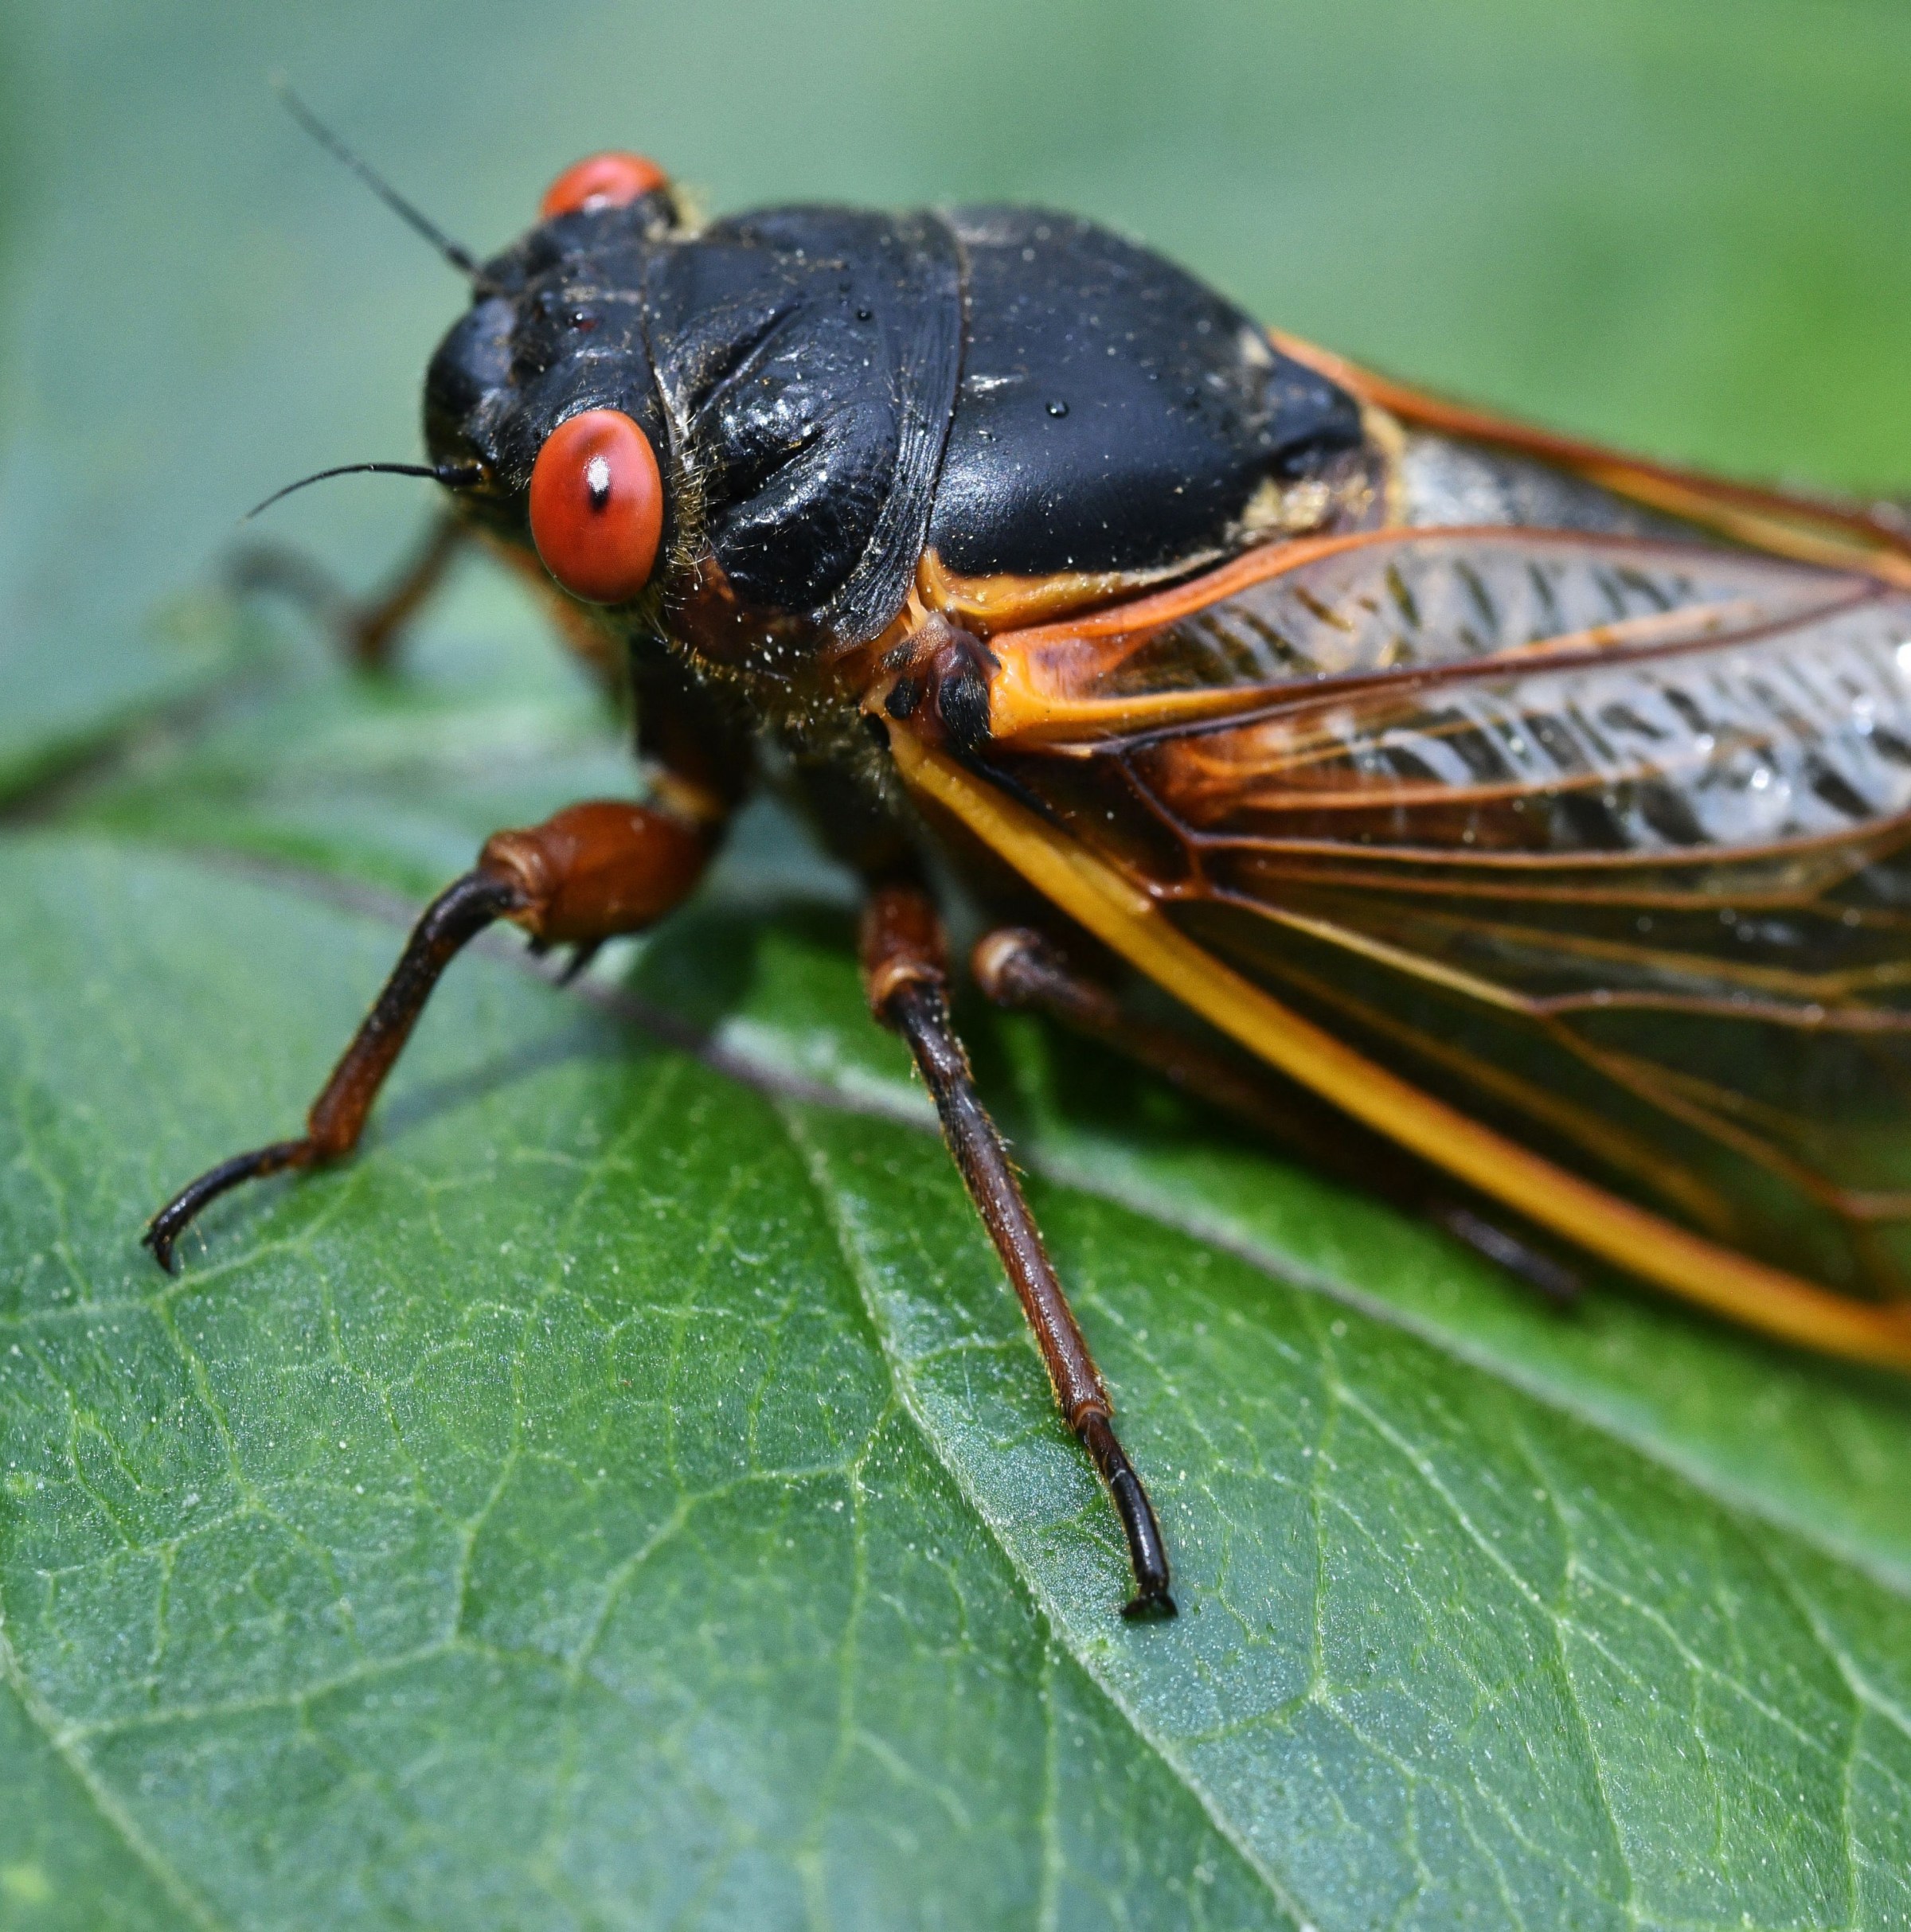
[(1539, 809)]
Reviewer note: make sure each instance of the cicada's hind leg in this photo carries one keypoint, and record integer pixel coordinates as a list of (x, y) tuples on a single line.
[(366, 630), (593, 872), (906, 982), (1016, 966)]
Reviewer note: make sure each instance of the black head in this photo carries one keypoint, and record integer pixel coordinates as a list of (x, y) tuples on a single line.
[(790, 373), (556, 332)]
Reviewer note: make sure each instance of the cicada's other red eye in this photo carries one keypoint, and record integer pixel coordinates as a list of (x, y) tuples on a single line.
[(597, 506), (613, 179)]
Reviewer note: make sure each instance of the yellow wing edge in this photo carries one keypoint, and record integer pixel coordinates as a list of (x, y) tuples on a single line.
[(1133, 924)]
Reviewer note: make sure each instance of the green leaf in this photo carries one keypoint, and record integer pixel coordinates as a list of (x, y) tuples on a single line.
[(526, 1522), (626, 1484)]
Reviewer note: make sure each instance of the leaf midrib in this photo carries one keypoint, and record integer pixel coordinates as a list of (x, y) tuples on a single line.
[(814, 1164)]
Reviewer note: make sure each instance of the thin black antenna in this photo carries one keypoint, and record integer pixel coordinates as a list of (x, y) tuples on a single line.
[(453, 475), (461, 259)]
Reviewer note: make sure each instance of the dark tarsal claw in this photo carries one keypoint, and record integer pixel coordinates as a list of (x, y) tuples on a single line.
[(172, 1220), (1146, 1552)]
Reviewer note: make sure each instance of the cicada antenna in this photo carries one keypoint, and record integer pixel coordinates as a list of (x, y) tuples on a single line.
[(459, 257), (453, 475)]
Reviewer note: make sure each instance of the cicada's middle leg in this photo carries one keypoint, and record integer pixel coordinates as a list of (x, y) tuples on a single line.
[(1016, 966), (906, 981)]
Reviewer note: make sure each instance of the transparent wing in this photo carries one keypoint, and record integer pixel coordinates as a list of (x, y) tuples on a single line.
[(1607, 841)]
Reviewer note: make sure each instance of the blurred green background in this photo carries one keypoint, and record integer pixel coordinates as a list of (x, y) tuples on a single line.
[(1680, 223)]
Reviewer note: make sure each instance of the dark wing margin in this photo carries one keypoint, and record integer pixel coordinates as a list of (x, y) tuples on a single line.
[(1581, 865)]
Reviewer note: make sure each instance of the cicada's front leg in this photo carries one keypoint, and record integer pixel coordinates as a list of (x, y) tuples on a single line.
[(906, 981), (590, 873)]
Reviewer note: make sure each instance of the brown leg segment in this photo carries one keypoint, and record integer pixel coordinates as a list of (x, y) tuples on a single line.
[(903, 975), (1016, 966), (590, 873), (367, 633)]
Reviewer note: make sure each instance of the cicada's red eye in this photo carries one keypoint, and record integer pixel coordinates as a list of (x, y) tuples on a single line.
[(613, 179), (597, 506)]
